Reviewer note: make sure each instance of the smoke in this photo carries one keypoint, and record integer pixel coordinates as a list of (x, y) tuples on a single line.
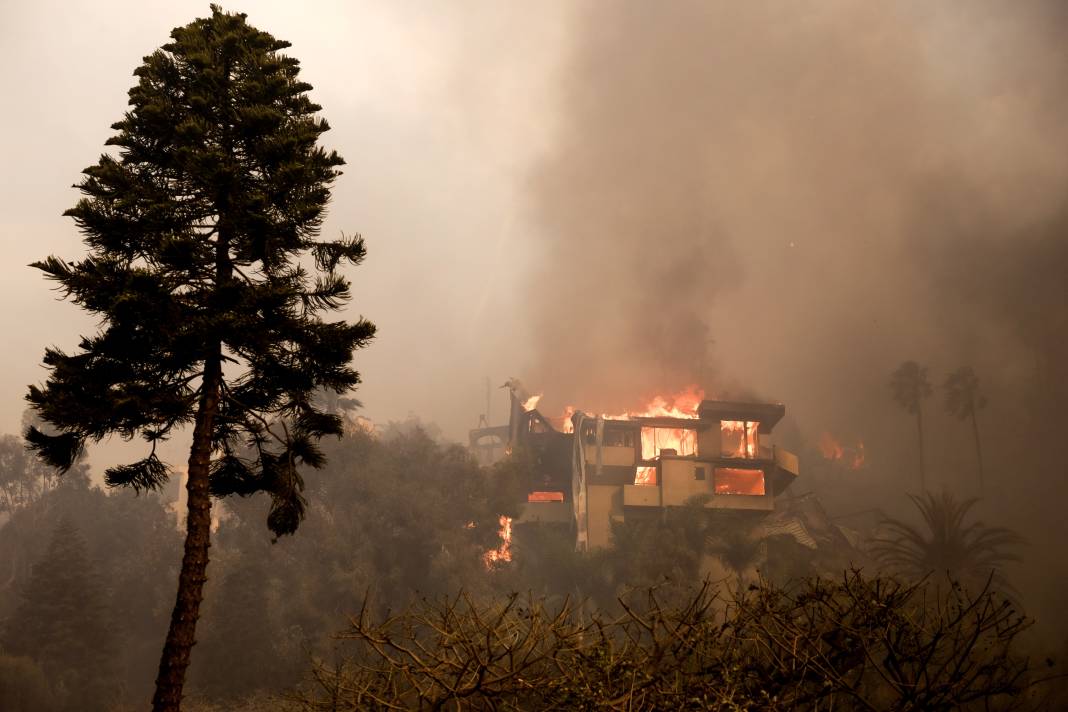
[(772, 198), (787, 200)]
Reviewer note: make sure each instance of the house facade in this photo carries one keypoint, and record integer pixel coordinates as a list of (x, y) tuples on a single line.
[(592, 471)]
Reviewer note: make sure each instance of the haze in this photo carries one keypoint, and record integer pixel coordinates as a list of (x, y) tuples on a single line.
[(779, 201)]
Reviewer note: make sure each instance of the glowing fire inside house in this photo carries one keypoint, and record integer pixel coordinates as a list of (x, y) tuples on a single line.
[(586, 472), (831, 449)]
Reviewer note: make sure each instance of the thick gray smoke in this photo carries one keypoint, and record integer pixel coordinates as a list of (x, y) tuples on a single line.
[(753, 195), (787, 200)]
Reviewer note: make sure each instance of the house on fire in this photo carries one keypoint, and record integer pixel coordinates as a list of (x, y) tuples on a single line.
[(590, 471)]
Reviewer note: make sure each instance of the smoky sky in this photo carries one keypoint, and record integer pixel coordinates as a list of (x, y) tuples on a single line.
[(607, 200), (778, 199)]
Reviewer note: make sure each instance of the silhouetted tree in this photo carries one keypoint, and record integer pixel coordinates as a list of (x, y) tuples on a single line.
[(196, 232), (24, 479), (910, 387), (964, 400), (970, 552), (62, 622)]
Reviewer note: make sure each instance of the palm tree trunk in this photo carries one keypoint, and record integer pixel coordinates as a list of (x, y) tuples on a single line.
[(182, 633), (978, 450), (919, 433)]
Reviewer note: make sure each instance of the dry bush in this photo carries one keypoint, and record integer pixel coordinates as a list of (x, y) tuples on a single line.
[(857, 643)]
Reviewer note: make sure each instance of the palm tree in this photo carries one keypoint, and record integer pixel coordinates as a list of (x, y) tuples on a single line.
[(910, 386), (963, 400), (971, 553)]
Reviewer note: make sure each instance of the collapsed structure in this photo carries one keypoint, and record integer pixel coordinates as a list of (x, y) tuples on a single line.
[(590, 471)]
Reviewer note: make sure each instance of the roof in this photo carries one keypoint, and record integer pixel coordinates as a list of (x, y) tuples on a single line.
[(767, 414)]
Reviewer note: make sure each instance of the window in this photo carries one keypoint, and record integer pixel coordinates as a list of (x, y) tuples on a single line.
[(735, 480), (617, 437), (645, 476), (681, 440), (699, 473), (739, 438)]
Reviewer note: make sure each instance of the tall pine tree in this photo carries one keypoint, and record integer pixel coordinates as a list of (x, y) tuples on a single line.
[(63, 623), (207, 274)]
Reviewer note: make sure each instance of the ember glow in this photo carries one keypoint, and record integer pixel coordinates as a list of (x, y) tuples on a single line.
[(739, 438), (503, 552), (682, 440), (682, 405), (545, 497), (831, 449), (645, 476)]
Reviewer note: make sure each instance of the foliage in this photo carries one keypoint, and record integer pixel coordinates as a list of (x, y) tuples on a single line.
[(963, 397), (395, 518), (964, 400), (63, 623), (24, 687), (204, 251), (195, 235), (24, 479), (854, 643), (910, 388), (970, 552)]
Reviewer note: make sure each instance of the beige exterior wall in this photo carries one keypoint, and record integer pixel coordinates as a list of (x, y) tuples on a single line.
[(678, 483), (545, 512), (641, 495), (743, 501), (604, 502)]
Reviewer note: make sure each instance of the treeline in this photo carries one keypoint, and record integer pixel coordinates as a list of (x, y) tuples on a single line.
[(88, 575), (397, 524)]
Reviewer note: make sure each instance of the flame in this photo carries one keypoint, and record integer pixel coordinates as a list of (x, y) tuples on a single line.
[(683, 441), (833, 450), (747, 439), (858, 457), (503, 552), (830, 447), (532, 402), (568, 426), (682, 405), (645, 476), (545, 497)]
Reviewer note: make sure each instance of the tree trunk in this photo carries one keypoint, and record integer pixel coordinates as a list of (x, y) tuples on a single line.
[(182, 633), (919, 433), (978, 450)]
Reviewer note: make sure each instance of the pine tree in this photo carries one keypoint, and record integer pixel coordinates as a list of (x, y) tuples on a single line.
[(62, 622), (207, 274)]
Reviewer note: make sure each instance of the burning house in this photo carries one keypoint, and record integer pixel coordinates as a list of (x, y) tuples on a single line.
[(590, 471)]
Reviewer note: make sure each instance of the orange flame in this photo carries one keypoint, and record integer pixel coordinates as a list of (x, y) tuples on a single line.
[(683, 441), (645, 476), (532, 402), (742, 437), (682, 405), (503, 552), (833, 450), (830, 447), (858, 457)]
